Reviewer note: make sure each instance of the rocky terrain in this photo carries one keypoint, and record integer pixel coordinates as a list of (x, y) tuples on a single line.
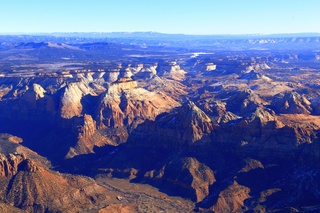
[(110, 127)]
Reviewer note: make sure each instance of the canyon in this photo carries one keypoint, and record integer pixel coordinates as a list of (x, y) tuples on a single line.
[(108, 126)]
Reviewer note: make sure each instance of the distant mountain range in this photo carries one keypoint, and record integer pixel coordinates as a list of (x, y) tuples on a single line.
[(164, 35), (299, 41)]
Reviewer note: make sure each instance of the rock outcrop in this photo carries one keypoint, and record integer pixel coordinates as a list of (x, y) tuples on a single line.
[(188, 126), (71, 99), (87, 137), (35, 189), (232, 198), (204, 66), (189, 177), (9, 164), (243, 102), (171, 70), (120, 106), (227, 117), (254, 75), (291, 103)]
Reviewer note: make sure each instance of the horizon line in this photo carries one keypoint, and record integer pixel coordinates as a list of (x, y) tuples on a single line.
[(155, 32)]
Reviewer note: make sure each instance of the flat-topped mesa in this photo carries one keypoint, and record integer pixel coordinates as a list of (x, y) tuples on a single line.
[(210, 66), (112, 73), (257, 66), (121, 85), (145, 71), (170, 69), (203, 66), (124, 80)]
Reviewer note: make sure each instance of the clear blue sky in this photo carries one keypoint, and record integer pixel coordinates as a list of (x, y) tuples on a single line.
[(166, 16)]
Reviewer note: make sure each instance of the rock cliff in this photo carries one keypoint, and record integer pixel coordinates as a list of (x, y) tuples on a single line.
[(186, 127), (291, 103), (71, 99), (121, 106)]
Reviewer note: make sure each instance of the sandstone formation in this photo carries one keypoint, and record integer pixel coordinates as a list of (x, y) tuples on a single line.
[(187, 126), (172, 70), (9, 164), (232, 198), (88, 105), (71, 99), (243, 102), (253, 75), (292, 103), (120, 106), (189, 176), (227, 117), (35, 189), (205, 66)]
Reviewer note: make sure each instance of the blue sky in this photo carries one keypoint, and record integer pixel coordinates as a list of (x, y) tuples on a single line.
[(166, 16)]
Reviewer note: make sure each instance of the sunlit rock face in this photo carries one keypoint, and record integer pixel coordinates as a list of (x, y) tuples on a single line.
[(125, 102), (170, 69), (71, 99)]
